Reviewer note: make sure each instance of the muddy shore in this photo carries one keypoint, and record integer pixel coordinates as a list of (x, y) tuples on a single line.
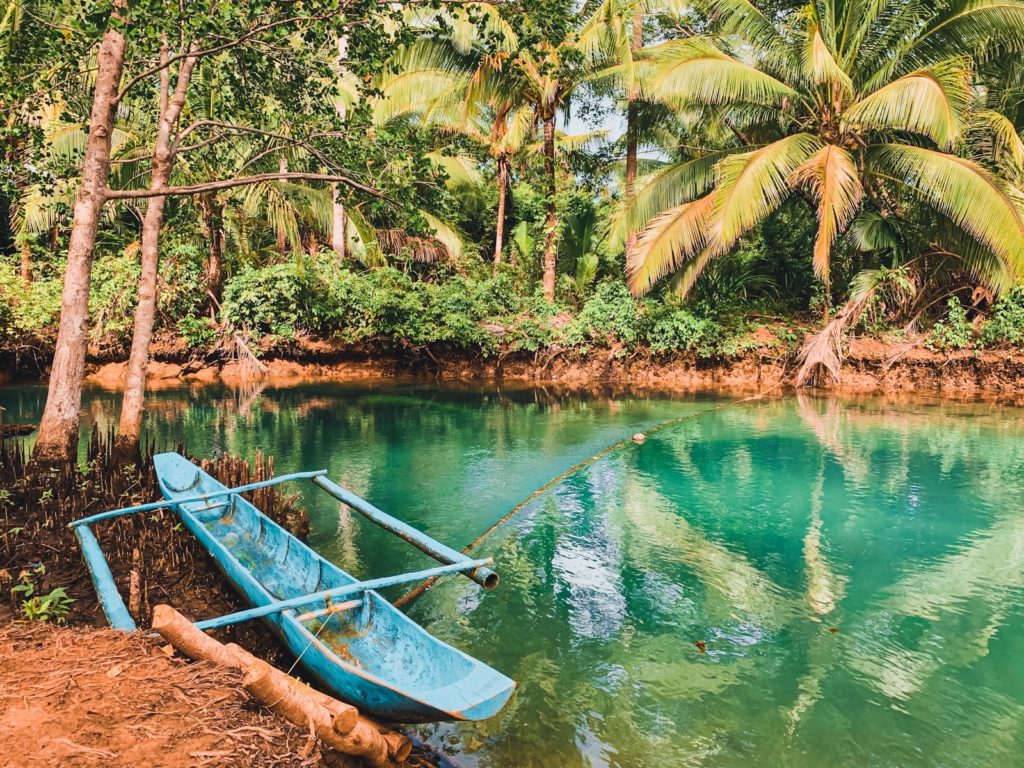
[(871, 366)]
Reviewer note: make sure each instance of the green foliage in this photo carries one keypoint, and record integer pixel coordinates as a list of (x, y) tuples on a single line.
[(611, 315), (671, 328), (278, 299), (953, 332), (1006, 324), (26, 310), (394, 309), (53, 606), (114, 294), (197, 332)]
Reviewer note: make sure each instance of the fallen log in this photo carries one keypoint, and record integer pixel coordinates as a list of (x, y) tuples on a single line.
[(338, 725)]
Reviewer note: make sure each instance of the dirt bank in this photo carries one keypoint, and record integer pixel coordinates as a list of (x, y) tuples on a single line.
[(871, 366), (81, 698)]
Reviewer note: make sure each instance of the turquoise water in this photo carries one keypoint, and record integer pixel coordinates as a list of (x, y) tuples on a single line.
[(853, 570)]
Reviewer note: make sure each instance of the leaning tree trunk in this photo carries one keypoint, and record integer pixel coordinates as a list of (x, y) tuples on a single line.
[(632, 138), (58, 428), (130, 425), (551, 225), (499, 237), (339, 225), (211, 216)]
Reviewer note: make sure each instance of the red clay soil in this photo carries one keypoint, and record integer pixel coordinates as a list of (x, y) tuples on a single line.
[(871, 366), (82, 698)]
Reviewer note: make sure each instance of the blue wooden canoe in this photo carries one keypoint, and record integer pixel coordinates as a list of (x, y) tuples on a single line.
[(370, 654)]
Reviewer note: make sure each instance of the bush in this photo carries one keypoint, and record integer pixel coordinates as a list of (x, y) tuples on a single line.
[(29, 310), (279, 299), (610, 315), (197, 332), (674, 328), (1006, 325), (953, 332)]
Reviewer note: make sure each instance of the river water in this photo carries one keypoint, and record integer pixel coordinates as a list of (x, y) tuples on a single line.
[(796, 582)]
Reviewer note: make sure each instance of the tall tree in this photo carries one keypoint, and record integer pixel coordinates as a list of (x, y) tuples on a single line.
[(58, 428), (855, 109), (171, 101), (262, 36)]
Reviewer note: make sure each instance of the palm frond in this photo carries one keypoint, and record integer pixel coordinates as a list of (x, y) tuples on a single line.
[(745, 20), (398, 242), (669, 241), (693, 71), (982, 27), (461, 170), (930, 101), (752, 185), (1002, 144), (974, 199), (820, 63), (668, 188), (831, 174)]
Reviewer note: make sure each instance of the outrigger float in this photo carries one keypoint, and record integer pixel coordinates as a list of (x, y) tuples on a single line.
[(349, 638)]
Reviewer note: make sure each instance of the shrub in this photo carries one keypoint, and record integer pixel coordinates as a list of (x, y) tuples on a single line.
[(114, 292), (28, 310), (279, 299), (671, 328), (1006, 325), (611, 314), (953, 332), (197, 332)]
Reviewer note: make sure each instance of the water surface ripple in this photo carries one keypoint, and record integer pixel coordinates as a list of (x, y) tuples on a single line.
[(796, 582)]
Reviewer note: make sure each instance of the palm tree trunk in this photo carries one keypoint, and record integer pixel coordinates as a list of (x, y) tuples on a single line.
[(58, 428), (551, 225), (132, 405), (632, 137), (499, 237), (26, 264), (210, 213), (339, 225)]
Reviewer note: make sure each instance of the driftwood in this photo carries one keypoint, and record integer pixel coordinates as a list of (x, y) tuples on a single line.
[(338, 725)]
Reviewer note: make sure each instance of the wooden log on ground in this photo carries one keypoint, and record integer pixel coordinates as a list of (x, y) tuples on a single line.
[(337, 724)]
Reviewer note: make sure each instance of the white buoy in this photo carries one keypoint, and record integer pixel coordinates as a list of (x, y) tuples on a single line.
[(639, 437)]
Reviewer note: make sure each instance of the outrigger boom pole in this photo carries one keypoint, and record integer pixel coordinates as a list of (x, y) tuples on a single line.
[(485, 577), (328, 594)]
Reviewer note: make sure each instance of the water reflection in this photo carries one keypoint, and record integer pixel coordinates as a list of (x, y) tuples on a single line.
[(797, 582)]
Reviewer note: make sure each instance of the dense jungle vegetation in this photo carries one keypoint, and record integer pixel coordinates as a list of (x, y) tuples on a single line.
[(508, 177)]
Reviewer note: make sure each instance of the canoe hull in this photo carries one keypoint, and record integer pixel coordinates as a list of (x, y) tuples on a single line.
[(371, 656)]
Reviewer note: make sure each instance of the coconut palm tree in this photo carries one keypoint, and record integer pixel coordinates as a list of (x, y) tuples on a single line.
[(612, 38), (860, 108)]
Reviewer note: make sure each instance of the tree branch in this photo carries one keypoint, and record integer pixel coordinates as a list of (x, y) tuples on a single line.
[(241, 181), (202, 53)]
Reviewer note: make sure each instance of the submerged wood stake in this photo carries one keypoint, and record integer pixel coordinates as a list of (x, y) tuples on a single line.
[(338, 725)]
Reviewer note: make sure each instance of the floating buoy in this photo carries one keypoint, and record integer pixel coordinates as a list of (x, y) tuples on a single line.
[(639, 437)]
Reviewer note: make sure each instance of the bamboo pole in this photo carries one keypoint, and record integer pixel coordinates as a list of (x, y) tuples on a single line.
[(338, 725)]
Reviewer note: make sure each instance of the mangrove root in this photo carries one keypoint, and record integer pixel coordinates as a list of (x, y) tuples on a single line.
[(338, 725)]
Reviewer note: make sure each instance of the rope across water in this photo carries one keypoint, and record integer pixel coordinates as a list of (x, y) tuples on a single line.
[(414, 593)]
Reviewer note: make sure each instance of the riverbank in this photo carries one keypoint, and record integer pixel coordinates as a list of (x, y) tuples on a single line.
[(871, 366), (82, 697)]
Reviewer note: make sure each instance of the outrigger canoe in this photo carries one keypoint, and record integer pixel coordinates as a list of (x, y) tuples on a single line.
[(346, 636)]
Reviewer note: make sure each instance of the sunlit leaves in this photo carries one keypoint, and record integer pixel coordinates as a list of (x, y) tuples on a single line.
[(832, 177), (973, 198), (933, 102), (693, 71)]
